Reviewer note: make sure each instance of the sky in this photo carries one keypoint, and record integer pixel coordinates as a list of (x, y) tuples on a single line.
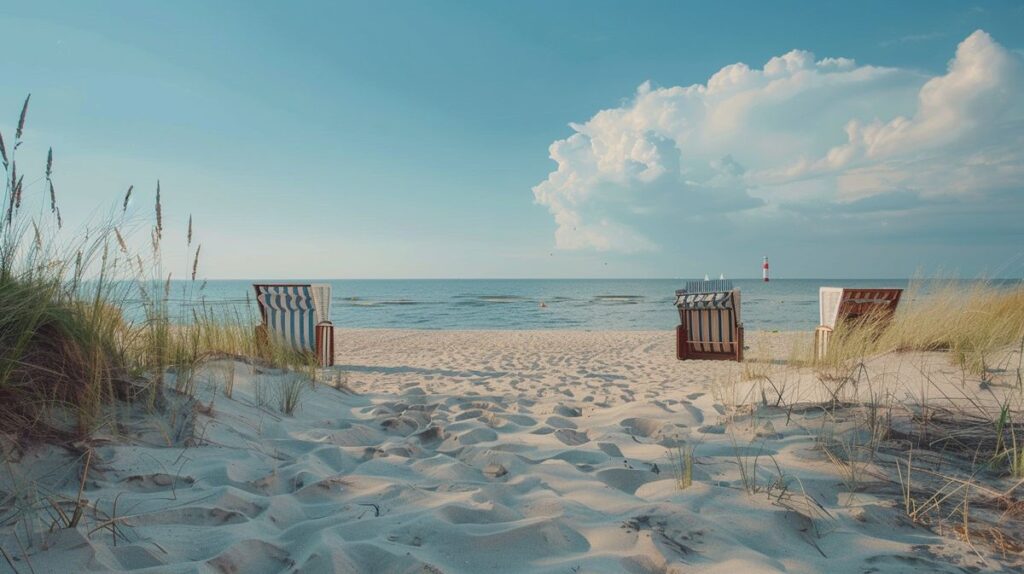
[(410, 139)]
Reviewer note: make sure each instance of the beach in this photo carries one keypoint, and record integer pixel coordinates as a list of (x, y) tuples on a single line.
[(488, 451), (341, 288)]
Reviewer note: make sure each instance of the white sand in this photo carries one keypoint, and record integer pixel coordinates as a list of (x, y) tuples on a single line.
[(474, 452)]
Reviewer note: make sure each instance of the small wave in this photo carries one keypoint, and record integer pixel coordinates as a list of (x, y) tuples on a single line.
[(484, 299), (356, 302), (619, 299), (502, 299)]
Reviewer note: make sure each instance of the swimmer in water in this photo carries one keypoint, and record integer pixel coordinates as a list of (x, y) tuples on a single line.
[(543, 305)]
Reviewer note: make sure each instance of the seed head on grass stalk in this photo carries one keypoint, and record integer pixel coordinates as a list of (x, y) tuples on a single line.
[(195, 262), (121, 242), (49, 185), (21, 122), (17, 192), (127, 198), (159, 216), (3, 151), (12, 191)]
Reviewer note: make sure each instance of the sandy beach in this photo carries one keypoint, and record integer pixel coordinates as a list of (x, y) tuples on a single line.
[(336, 287), (477, 451)]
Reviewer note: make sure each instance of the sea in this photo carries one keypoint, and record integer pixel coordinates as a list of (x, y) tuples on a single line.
[(583, 304)]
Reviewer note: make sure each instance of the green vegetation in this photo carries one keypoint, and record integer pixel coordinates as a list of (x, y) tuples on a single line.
[(67, 352)]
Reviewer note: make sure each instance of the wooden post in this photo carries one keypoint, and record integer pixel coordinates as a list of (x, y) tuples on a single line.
[(682, 345), (325, 344), (822, 335)]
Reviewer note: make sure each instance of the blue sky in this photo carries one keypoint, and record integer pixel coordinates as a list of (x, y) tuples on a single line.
[(538, 139)]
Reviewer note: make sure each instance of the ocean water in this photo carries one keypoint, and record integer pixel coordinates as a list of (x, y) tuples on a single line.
[(594, 304)]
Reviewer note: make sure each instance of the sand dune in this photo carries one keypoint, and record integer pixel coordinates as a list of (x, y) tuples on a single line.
[(472, 452)]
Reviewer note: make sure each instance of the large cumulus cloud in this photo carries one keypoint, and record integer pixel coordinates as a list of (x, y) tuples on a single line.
[(798, 136)]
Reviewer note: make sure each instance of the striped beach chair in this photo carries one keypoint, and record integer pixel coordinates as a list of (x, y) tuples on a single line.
[(837, 305), (709, 321), (297, 316)]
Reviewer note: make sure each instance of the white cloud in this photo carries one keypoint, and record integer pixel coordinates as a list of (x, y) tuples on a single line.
[(798, 130)]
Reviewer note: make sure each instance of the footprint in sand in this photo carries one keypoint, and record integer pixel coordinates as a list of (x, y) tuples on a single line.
[(572, 437), (521, 420), (641, 426), (431, 435), (253, 557), (157, 482), (567, 411), (193, 516), (560, 423), (697, 414), (472, 414), (477, 436), (626, 480)]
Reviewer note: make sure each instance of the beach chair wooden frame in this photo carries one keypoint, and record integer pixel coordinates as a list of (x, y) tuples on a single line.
[(709, 325), (838, 305), (298, 315)]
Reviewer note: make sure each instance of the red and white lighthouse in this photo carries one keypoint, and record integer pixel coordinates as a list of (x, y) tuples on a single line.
[(764, 269)]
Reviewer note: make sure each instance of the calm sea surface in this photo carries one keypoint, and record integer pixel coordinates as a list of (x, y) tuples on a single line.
[(624, 304)]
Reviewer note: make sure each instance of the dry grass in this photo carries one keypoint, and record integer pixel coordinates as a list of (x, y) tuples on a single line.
[(948, 447), (67, 353), (681, 461), (892, 419), (74, 348), (971, 321), (290, 392)]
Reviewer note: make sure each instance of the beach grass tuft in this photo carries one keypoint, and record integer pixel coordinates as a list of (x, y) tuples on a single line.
[(67, 351)]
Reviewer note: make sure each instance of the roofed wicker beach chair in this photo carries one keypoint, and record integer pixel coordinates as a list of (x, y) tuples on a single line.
[(709, 321), (837, 305), (297, 316)]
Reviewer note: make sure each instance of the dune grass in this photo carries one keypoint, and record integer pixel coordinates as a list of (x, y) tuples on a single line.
[(971, 321), (67, 351), (681, 461), (954, 452)]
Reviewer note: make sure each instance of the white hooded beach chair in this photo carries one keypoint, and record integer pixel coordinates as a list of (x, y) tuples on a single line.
[(709, 321), (838, 305), (298, 316)]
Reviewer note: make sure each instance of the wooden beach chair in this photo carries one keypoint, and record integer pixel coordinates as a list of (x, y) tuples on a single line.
[(837, 305), (709, 321), (297, 316)]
